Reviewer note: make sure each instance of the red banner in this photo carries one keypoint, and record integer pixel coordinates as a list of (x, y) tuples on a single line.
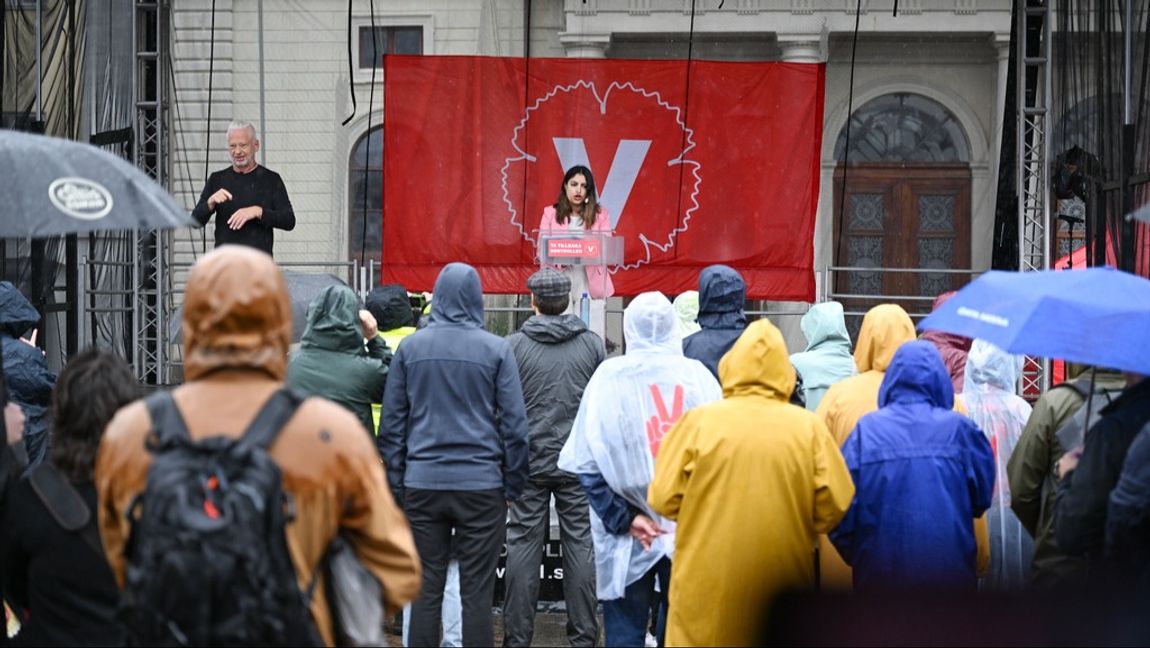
[(696, 163)]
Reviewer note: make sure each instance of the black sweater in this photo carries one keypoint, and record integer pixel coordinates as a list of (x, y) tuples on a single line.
[(262, 187)]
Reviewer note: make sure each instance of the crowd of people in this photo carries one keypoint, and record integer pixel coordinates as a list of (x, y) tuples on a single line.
[(696, 477)]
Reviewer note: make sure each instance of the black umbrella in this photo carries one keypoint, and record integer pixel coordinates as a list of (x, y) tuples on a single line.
[(302, 289), (55, 186)]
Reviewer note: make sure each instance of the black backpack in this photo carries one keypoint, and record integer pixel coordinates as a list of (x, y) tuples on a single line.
[(207, 557)]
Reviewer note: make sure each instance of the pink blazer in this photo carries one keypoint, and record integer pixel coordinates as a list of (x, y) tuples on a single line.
[(597, 276)]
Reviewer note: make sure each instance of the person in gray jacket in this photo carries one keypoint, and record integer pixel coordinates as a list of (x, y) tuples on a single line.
[(453, 433), (556, 355)]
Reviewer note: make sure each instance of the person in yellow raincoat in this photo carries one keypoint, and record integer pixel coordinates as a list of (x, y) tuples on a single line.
[(884, 329), (750, 481)]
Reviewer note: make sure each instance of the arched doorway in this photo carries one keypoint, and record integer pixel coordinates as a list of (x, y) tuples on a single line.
[(905, 202)]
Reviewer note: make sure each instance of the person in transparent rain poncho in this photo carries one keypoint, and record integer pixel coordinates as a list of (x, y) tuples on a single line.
[(988, 393), (627, 407)]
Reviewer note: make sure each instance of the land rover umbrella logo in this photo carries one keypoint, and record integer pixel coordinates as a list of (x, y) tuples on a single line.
[(80, 198)]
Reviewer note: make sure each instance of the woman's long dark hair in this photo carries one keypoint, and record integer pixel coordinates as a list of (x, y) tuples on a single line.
[(88, 392), (563, 207)]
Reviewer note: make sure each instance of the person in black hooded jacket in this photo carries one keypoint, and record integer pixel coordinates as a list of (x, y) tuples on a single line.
[(722, 293), (556, 355)]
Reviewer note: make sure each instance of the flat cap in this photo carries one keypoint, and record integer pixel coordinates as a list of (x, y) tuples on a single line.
[(548, 284)]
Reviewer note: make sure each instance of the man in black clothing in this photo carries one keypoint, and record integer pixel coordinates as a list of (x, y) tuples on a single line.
[(247, 199), (1088, 475)]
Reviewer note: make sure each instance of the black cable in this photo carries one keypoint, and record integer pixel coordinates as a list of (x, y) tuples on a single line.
[(686, 111), (351, 65), (367, 162), (847, 143), (208, 130)]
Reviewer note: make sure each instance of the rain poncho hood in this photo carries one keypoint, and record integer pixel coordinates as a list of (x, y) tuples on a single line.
[(722, 294), (827, 358), (458, 297), (757, 365), (627, 407), (237, 314), (687, 306), (390, 307), (922, 473), (918, 377), (884, 328), (991, 403), (333, 321)]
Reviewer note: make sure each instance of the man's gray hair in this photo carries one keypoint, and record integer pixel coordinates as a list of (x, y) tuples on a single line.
[(240, 125)]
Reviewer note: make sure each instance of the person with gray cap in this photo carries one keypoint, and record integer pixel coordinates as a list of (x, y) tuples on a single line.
[(556, 355)]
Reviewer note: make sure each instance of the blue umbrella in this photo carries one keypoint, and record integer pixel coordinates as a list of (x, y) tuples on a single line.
[(1096, 316)]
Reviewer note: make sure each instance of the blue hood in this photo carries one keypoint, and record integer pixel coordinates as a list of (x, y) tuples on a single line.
[(722, 294), (17, 315), (458, 297), (916, 375)]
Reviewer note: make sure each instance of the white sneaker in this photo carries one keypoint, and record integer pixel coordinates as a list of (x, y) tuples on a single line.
[(651, 642)]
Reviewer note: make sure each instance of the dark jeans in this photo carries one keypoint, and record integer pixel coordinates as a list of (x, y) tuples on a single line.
[(478, 518), (625, 619), (526, 530)]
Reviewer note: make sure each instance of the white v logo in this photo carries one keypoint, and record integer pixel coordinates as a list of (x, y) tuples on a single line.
[(629, 156)]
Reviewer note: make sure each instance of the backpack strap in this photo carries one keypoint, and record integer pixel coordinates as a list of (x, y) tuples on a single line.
[(276, 412), (65, 503), (167, 422)]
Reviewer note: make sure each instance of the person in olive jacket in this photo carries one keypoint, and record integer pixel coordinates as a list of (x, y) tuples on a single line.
[(341, 355)]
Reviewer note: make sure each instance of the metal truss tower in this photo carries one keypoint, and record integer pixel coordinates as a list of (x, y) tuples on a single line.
[(150, 153), (1034, 130)]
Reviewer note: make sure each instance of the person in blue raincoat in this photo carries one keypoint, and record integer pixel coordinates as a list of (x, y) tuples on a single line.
[(828, 357), (991, 403), (922, 473)]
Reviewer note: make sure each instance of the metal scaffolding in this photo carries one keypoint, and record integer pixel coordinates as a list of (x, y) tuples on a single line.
[(150, 153), (1034, 126)]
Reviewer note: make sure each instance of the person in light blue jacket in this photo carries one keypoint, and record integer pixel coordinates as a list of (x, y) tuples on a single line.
[(827, 358)]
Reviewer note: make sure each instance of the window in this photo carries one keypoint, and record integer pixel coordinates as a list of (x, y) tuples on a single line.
[(904, 127), (398, 39), (365, 197)]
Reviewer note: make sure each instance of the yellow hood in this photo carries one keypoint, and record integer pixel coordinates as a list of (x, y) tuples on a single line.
[(883, 331), (758, 364)]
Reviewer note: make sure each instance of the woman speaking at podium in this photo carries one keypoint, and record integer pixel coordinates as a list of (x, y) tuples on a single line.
[(578, 211)]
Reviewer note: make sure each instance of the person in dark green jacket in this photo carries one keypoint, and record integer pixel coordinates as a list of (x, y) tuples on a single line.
[(341, 356)]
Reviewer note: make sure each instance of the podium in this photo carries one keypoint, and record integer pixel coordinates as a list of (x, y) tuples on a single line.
[(580, 248), (586, 249)]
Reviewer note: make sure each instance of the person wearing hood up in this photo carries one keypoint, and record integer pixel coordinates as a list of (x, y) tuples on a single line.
[(236, 332), (750, 481), (687, 307), (884, 328), (30, 381), (922, 472), (991, 403), (627, 408), (454, 435), (722, 295), (341, 357), (827, 358), (557, 355), (953, 348)]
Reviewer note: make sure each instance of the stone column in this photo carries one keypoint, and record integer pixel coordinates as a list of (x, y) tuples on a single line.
[(802, 49), (579, 45)]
